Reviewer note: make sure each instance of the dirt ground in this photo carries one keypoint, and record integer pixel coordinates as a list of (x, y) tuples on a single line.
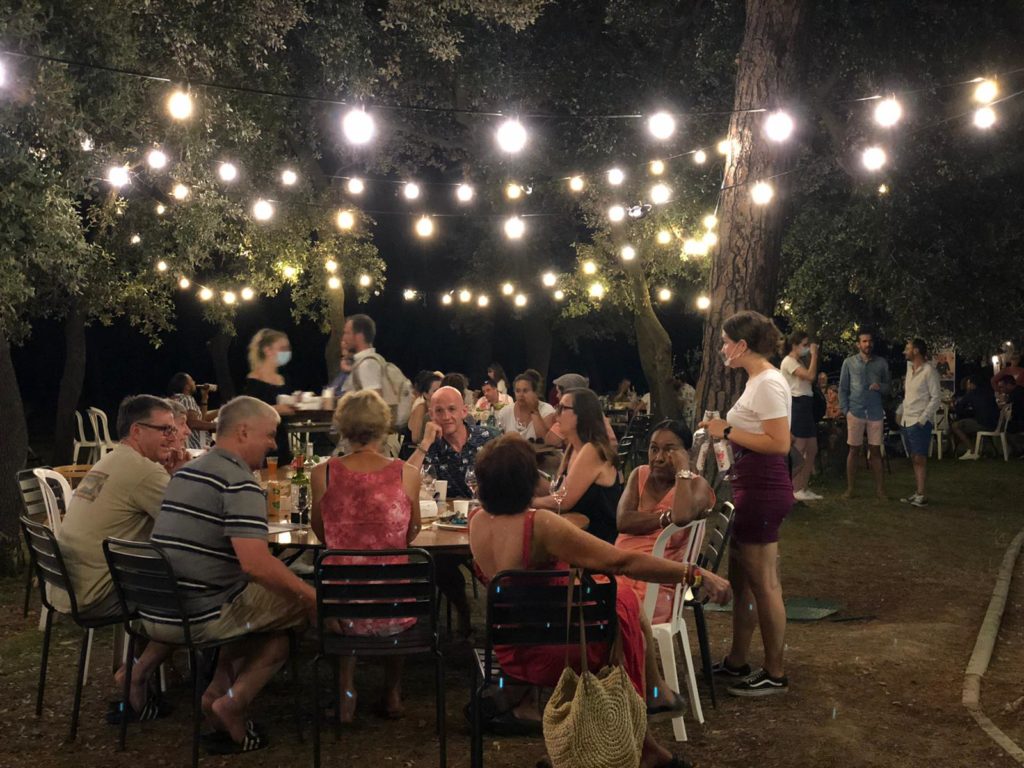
[(878, 684)]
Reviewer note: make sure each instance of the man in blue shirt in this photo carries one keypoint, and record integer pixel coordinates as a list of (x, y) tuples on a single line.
[(863, 382)]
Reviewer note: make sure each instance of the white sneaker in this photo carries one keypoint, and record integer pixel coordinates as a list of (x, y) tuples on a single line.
[(970, 456), (812, 495), (804, 496)]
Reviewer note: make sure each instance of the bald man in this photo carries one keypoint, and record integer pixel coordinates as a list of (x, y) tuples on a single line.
[(449, 444)]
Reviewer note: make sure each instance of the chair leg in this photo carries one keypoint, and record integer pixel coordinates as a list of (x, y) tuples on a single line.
[(691, 674), (442, 734), (293, 672), (48, 621), (667, 652), (28, 591), (700, 622), (197, 709), (88, 657), (83, 664), (316, 710), (129, 665), (1006, 447)]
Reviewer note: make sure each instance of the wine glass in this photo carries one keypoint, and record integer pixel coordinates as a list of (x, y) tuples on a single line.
[(558, 492), (471, 481), (427, 479)]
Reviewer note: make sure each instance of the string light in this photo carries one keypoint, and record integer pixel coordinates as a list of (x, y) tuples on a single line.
[(589, 267), (358, 127), (465, 296), (331, 266), (661, 125), (117, 176), (657, 167), (693, 247), (424, 226), (179, 105), (180, 192), (205, 294), (576, 183), (289, 177), (411, 190), (596, 290), (160, 209), (136, 239), (700, 157), (724, 147), (464, 193), (334, 282), (888, 112), (778, 126), (364, 281), (345, 220), (156, 159), (482, 300), (86, 144), (184, 283), (227, 172), (703, 303), (616, 213), (262, 210), (549, 279), (355, 186), (559, 295), (446, 299), (616, 176), (986, 91), (161, 266), (289, 271), (664, 237), (710, 221), (762, 193), (883, 189), (873, 158), (984, 117), (513, 191), (520, 300), (628, 253), (660, 194), (248, 294), (229, 297), (664, 295), (514, 228), (508, 289), (710, 239), (511, 137), (409, 294)]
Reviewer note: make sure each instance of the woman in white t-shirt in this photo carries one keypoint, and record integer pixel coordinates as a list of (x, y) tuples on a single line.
[(757, 426), (800, 367), (528, 415)]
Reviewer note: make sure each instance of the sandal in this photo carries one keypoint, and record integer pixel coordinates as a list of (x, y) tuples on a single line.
[(255, 738), (676, 708), (154, 709)]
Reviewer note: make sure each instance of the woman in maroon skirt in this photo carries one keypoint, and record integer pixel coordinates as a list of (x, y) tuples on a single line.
[(758, 428)]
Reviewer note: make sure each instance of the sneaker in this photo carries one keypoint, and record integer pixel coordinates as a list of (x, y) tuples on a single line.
[(812, 495), (759, 684), (723, 668), (915, 499), (802, 496), (970, 456)]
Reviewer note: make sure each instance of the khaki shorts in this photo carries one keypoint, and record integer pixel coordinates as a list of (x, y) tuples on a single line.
[(855, 429), (256, 609)]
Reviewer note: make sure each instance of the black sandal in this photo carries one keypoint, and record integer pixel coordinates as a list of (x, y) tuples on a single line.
[(155, 708), (255, 738)]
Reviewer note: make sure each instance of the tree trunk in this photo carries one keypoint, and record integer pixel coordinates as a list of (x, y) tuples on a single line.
[(218, 347), (537, 326), (70, 385), (745, 266), (654, 347), (13, 452), (336, 317)]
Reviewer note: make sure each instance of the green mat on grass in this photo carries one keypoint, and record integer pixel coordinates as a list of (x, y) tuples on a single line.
[(797, 608)]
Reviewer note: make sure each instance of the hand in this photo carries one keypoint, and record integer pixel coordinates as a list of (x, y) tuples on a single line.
[(875, 387), (531, 402), (715, 427), (284, 410), (680, 460), (814, 349), (346, 365), (431, 431), (715, 587)]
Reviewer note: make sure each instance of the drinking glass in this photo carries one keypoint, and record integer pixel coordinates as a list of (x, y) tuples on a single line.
[(471, 481), (558, 492)]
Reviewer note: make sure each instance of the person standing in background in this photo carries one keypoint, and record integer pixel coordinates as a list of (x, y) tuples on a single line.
[(922, 395), (270, 350), (183, 389), (800, 366), (863, 382)]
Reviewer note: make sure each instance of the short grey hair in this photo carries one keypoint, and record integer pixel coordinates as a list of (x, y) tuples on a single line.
[(177, 408), (240, 409)]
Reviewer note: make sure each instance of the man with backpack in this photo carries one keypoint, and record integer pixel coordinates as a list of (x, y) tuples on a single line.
[(371, 371)]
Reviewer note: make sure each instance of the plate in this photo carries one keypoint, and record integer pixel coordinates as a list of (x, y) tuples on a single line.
[(449, 526)]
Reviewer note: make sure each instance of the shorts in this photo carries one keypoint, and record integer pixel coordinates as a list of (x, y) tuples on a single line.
[(918, 438), (855, 429), (763, 494), (255, 609), (802, 424)]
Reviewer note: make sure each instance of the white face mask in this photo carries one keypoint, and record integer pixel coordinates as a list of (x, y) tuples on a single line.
[(730, 362)]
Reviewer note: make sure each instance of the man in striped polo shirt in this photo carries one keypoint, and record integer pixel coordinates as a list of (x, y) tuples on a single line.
[(213, 528)]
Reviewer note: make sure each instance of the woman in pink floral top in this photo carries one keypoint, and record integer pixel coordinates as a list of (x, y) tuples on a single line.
[(365, 500)]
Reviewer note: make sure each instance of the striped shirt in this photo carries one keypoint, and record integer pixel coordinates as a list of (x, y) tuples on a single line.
[(199, 438), (208, 502)]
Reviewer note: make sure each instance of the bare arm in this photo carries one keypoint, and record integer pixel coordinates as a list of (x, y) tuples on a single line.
[(411, 486), (318, 484), (199, 421), (810, 373), (628, 517), (431, 432), (584, 471), (266, 570), (417, 417), (774, 442)]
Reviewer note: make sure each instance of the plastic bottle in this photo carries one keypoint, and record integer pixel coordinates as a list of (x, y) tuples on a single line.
[(702, 441)]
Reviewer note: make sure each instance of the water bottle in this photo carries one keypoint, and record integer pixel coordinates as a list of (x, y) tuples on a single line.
[(301, 491), (702, 441)]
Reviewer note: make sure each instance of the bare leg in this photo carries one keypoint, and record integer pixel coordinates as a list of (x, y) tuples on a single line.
[(259, 664), (920, 471), (658, 692), (852, 459), (142, 671), (808, 449), (761, 561), (744, 609), (393, 683), (347, 689), (875, 460), (653, 753)]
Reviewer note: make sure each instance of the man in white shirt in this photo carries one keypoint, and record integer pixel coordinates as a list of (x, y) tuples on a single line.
[(921, 399), (367, 366)]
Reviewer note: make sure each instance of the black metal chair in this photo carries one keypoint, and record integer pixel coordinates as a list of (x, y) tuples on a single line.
[(48, 564), (716, 541), (35, 509), (146, 586), (378, 590), (526, 608)]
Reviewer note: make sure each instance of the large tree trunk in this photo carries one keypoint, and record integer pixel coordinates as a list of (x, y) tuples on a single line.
[(71, 381), (537, 326), (336, 318), (654, 347), (218, 346), (745, 267), (13, 451)]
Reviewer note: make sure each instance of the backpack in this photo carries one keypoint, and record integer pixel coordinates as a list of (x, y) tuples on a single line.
[(396, 390)]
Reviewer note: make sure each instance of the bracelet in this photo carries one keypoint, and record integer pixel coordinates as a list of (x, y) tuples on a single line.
[(695, 577), (684, 474), (665, 519), (421, 449)]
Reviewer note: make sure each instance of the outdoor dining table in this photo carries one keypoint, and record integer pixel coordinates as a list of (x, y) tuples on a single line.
[(430, 538)]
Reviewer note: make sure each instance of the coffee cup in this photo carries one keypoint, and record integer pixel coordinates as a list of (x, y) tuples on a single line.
[(461, 507), (428, 509), (441, 489)]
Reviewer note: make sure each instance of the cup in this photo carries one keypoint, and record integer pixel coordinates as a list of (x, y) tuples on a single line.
[(461, 507), (441, 489), (272, 467), (428, 509)]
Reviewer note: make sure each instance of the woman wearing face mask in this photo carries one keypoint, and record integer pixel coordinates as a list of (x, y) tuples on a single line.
[(269, 350), (800, 367), (757, 426)]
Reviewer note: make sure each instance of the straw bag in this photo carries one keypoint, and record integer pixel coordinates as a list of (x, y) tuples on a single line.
[(594, 720)]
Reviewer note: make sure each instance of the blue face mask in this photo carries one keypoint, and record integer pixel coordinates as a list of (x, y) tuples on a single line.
[(284, 356)]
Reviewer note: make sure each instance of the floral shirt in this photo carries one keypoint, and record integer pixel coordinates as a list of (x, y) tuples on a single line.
[(451, 465)]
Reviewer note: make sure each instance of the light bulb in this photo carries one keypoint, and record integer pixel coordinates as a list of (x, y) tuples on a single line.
[(628, 253), (156, 159), (724, 147), (703, 303), (179, 105), (664, 294), (664, 237), (514, 228), (289, 177), (364, 281), (559, 295), (135, 239), (888, 112), (345, 220), (334, 282), (576, 183), (616, 176), (227, 172), (883, 189), (661, 125), (358, 126), (424, 226), (229, 297), (289, 271), (549, 279), (656, 167), (616, 213), (160, 209), (262, 210), (508, 289), (762, 193), (710, 221), (446, 299), (873, 158), (464, 193), (513, 191), (161, 266), (411, 190), (465, 296), (710, 239), (520, 300), (184, 283), (180, 192), (986, 91), (248, 294), (984, 117), (511, 136), (331, 266), (693, 247), (117, 176), (205, 294), (482, 301), (660, 194), (408, 294), (596, 290), (355, 186), (86, 144), (778, 126), (589, 267), (700, 157)]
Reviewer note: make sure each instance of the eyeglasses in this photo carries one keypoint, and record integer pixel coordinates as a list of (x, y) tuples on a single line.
[(560, 407), (168, 430)]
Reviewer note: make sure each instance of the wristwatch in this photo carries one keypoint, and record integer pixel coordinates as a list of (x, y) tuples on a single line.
[(726, 431), (684, 474)]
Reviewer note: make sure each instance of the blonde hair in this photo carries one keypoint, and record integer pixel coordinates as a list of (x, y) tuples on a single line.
[(362, 417), (265, 337)]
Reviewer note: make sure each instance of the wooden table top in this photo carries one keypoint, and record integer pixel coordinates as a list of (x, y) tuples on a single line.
[(429, 538)]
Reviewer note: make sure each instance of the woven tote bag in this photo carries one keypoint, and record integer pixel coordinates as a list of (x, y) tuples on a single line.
[(594, 720)]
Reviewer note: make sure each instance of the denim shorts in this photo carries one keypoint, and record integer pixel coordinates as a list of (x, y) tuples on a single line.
[(918, 438)]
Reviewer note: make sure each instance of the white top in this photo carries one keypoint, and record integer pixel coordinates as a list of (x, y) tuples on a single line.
[(922, 395), (507, 421), (797, 387), (371, 373), (502, 387), (483, 404), (765, 397)]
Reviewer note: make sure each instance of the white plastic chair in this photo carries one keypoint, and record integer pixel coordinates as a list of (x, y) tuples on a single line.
[(998, 436), (664, 634), (81, 441), (939, 430), (101, 429)]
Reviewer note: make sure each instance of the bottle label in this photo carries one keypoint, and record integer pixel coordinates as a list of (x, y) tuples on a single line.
[(723, 455)]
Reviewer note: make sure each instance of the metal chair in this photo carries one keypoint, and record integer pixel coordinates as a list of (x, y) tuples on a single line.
[(101, 429), (34, 509), (48, 564), (528, 608), (81, 441), (373, 588)]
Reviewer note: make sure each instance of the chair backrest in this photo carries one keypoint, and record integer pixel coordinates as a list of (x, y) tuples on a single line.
[(942, 418), (529, 608), (56, 495), (80, 436), (31, 493), (717, 539), (100, 426), (389, 584), (689, 555), (73, 473), (46, 558), (145, 583), (1004, 419)]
